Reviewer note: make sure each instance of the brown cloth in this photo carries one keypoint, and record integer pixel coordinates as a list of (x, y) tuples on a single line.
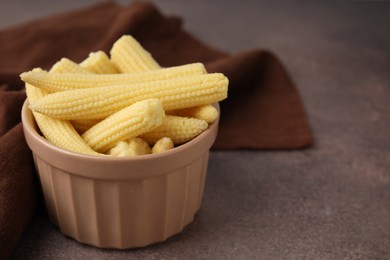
[(263, 110)]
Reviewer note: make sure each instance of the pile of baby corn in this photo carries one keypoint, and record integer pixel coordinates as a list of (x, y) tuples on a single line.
[(124, 104)]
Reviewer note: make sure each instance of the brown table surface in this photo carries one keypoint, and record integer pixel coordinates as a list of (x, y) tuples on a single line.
[(328, 202)]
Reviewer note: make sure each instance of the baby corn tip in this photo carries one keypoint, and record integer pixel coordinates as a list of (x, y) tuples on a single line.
[(156, 111)]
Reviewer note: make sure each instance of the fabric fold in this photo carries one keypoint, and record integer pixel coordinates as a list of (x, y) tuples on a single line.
[(264, 110), (18, 189)]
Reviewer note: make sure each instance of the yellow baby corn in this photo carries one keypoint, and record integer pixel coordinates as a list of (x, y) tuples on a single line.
[(131, 147), (129, 122), (162, 145), (99, 63), (82, 125), (128, 55), (207, 112), (59, 132), (34, 94), (68, 81), (67, 66), (100, 102), (179, 129)]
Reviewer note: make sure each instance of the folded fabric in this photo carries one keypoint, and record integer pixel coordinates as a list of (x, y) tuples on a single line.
[(18, 185), (263, 110)]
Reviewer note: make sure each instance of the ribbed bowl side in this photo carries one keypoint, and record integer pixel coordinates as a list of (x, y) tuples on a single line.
[(43, 170), (123, 214)]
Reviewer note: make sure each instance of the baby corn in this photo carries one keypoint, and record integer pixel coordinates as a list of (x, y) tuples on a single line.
[(82, 125), (162, 145), (100, 102), (116, 105), (59, 132), (178, 129), (131, 147), (66, 66), (129, 122), (207, 112), (69, 81), (99, 63), (128, 55)]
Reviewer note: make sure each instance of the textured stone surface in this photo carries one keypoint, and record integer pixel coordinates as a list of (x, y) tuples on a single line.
[(328, 202)]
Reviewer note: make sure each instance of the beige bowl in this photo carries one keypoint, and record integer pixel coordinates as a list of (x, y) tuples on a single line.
[(120, 202)]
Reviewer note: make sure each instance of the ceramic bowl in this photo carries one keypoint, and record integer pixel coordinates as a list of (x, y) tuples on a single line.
[(119, 202)]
